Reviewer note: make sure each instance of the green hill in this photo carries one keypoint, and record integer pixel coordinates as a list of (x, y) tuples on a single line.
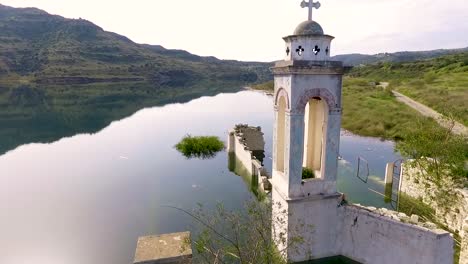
[(403, 56), (37, 47), (440, 83)]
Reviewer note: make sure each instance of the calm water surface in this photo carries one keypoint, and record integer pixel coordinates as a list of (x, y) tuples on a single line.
[(87, 198)]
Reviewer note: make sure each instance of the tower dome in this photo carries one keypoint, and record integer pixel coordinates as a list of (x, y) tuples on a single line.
[(308, 27)]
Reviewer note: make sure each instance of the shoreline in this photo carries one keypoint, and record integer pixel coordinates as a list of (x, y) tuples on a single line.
[(248, 88)]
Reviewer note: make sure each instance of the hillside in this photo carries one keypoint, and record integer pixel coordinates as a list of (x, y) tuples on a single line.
[(60, 77), (440, 83), (403, 56), (41, 48)]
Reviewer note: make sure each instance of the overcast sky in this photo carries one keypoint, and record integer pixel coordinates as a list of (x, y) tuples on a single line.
[(253, 29)]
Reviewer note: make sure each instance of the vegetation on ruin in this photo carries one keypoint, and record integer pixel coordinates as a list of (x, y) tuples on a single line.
[(248, 235), (439, 158), (200, 147), (440, 154), (307, 174), (412, 206)]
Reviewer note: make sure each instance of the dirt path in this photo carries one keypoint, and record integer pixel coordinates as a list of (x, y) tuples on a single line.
[(458, 128)]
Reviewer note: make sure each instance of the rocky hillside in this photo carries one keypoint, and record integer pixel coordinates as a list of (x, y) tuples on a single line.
[(48, 49)]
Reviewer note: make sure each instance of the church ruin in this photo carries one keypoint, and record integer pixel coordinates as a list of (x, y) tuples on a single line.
[(307, 99)]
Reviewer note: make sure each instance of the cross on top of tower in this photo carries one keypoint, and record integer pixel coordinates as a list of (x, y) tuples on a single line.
[(310, 4)]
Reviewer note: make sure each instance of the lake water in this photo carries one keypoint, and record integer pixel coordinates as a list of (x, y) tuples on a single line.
[(87, 198)]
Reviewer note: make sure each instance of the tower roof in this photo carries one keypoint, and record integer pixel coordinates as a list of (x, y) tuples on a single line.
[(308, 27)]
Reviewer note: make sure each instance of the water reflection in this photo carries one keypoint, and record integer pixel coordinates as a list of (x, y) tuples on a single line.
[(41, 114)]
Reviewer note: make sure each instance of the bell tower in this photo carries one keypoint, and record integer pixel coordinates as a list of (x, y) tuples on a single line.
[(307, 114), (306, 139)]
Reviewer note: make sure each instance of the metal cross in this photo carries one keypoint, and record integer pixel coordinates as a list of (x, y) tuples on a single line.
[(311, 4)]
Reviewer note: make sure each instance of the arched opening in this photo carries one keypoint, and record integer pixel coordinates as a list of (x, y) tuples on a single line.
[(315, 131), (280, 133)]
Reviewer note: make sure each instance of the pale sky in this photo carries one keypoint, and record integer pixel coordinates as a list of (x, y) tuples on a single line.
[(253, 29)]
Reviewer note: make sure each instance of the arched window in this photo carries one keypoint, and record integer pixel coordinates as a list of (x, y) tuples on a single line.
[(315, 131), (280, 134)]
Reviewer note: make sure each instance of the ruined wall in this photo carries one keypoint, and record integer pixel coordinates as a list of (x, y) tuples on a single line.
[(248, 145), (453, 215), (374, 237), (242, 152), (367, 235)]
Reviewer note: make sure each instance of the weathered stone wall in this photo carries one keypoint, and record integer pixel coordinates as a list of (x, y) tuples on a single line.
[(242, 153), (453, 215), (314, 220), (164, 249), (367, 235), (464, 244), (378, 237), (246, 142)]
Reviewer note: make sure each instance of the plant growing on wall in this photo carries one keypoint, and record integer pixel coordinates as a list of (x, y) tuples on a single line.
[(254, 235), (440, 158), (307, 174)]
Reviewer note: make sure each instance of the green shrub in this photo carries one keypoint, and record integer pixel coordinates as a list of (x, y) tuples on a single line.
[(199, 147), (307, 174)]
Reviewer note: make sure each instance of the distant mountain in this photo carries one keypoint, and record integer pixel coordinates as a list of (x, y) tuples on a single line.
[(36, 47), (42, 48), (404, 56)]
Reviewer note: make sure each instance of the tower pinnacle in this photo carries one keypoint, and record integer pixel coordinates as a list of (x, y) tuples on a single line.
[(310, 4)]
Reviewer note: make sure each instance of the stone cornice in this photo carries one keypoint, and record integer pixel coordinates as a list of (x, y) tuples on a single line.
[(308, 67), (298, 37)]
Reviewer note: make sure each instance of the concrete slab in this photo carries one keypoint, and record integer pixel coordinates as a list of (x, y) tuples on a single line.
[(164, 249)]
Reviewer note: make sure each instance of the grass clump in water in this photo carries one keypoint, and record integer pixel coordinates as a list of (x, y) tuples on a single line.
[(200, 147)]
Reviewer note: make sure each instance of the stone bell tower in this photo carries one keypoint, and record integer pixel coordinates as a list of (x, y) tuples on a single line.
[(307, 101)]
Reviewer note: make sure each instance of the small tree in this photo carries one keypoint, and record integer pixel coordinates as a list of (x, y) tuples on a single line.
[(250, 236)]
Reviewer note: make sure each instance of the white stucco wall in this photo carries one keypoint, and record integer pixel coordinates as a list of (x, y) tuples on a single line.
[(244, 155), (308, 44), (372, 238), (294, 88), (358, 233)]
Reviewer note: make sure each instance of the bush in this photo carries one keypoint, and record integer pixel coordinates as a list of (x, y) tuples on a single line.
[(200, 147), (307, 174), (248, 235)]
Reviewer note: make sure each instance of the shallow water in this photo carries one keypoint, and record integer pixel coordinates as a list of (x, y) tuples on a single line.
[(87, 198)]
